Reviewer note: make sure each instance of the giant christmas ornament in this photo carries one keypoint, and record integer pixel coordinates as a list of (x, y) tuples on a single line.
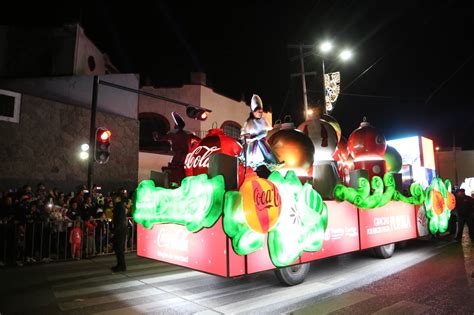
[(276, 128), (216, 141), (294, 148), (345, 162), (323, 136), (333, 122), (393, 160), (367, 146), (261, 203)]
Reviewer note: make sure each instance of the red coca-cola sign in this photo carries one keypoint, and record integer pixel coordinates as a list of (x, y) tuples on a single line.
[(216, 141)]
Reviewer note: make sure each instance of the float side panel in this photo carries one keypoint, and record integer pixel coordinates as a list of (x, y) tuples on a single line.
[(204, 251), (394, 222), (342, 232)]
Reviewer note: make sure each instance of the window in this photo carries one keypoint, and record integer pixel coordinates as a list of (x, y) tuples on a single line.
[(10, 106), (231, 128), (149, 123)]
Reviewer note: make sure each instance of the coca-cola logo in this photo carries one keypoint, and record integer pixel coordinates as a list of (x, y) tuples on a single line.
[(177, 240), (199, 157), (265, 199)]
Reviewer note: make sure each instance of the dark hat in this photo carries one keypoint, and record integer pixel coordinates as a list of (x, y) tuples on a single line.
[(178, 120)]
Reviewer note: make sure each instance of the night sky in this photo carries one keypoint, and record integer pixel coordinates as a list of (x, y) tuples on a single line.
[(411, 71)]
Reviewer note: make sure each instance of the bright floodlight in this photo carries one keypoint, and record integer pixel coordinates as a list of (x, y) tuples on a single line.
[(345, 55), (84, 147), (84, 155), (325, 47)]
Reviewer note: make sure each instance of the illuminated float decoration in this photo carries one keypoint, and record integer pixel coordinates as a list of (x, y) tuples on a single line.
[(345, 162), (261, 203), (300, 226), (294, 148), (200, 201), (325, 139), (393, 160), (216, 141), (438, 204), (334, 123), (367, 146)]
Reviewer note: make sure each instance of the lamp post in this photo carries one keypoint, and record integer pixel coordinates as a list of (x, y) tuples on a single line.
[(323, 50)]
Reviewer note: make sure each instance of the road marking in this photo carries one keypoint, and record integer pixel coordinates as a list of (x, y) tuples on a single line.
[(81, 303), (100, 288), (289, 295), (155, 307), (403, 307), (334, 304)]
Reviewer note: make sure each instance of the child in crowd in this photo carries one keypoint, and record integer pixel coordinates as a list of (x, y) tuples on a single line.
[(90, 228), (75, 239)]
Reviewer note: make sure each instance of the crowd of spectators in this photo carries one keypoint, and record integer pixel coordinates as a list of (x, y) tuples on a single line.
[(47, 224)]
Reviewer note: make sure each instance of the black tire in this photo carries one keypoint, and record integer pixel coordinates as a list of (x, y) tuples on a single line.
[(401, 245), (384, 251), (292, 275)]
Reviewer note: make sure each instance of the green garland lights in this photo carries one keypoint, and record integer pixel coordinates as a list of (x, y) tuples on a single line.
[(196, 204), (382, 192)]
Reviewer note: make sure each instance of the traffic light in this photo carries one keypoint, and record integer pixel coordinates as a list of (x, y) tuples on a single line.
[(196, 113), (102, 145)]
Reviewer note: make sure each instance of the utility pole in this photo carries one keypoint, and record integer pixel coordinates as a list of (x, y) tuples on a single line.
[(303, 74), (303, 81), (90, 172)]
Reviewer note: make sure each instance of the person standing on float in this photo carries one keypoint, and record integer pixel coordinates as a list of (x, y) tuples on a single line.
[(258, 153), (181, 142)]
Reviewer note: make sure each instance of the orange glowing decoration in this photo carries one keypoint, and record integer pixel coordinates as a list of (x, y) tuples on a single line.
[(261, 203), (438, 202), (450, 201), (294, 148)]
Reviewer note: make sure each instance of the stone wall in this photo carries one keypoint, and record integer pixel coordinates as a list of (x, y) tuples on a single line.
[(44, 147)]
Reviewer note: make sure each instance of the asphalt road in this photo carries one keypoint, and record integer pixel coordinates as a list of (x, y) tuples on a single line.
[(427, 277)]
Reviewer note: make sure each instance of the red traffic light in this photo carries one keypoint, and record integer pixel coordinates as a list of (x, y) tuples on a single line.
[(197, 113), (104, 135), (203, 116)]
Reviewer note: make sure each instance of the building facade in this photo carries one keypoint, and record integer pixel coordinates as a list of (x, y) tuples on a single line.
[(155, 115)]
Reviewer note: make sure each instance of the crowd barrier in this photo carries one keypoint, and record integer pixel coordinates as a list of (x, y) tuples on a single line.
[(49, 241)]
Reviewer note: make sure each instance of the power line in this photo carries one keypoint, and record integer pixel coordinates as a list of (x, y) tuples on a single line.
[(449, 78)]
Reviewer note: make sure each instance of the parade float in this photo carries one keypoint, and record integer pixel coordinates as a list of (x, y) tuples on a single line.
[(328, 197)]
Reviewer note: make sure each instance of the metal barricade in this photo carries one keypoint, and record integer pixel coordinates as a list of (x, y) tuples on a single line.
[(33, 242)]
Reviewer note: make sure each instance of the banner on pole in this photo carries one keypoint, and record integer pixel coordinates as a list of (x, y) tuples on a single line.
[(332, 82)]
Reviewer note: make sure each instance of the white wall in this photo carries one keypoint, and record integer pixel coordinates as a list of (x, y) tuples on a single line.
[(464, 165), (85, 48), (150, 162)]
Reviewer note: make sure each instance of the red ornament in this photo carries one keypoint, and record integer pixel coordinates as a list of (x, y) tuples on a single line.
[(366, 143), (216, 141)]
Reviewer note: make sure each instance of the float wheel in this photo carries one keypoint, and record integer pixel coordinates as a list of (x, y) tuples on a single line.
[(292, 275), (384, 251)]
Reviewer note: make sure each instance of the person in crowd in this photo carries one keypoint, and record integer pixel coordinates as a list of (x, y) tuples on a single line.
[(464, 209), (101, 233), (120, 232), (91, 225), (75, 239)]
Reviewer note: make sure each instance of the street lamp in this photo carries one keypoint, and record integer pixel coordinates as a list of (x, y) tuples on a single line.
[(324, 48), (344, 55)]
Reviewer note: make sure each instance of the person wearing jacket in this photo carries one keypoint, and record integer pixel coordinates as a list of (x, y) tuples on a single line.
[(120, 232)]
